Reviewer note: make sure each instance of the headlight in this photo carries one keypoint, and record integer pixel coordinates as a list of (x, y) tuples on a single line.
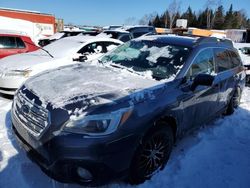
[(102, 124), (18, 73)]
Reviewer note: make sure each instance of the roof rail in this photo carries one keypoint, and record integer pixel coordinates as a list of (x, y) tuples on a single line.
[(205, 40)]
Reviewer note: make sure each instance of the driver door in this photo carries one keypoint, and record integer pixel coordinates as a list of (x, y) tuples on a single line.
[(200, 104)]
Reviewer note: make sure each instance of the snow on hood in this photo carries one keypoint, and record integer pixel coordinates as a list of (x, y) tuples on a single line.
[(61, 85), (24, 61)]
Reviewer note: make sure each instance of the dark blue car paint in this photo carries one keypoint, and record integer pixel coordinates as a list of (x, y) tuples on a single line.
[(111, 155)]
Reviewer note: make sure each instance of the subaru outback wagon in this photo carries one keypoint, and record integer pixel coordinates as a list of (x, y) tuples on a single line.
[(91, 123)]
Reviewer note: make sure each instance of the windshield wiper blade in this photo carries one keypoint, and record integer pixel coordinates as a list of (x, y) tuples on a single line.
[(47, 52), (125, 68), (41, 49)]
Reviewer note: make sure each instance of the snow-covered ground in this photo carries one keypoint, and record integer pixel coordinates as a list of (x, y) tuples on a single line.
[(217, 155)]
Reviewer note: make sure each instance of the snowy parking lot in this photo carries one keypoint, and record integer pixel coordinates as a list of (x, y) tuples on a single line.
[(217, 155)]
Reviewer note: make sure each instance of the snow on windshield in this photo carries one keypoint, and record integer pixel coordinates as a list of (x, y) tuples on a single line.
[(156, 52), (163, 61)]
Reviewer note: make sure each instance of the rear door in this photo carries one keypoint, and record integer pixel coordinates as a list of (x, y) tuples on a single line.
[(226, 68)]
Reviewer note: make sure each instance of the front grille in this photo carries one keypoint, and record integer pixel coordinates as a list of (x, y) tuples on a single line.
[(34, 118)]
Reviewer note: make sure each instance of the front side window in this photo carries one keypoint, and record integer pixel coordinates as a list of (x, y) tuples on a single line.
[(203, 64), (90, 48), (222, 59), (160, 60)]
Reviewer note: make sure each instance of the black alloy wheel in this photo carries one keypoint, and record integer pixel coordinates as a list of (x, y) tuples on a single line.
[(152, 154)]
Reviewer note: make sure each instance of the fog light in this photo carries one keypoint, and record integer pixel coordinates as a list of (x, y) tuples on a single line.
[(84, 174)]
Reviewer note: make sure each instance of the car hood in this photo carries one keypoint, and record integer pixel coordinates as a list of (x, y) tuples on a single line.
[(97, 84)]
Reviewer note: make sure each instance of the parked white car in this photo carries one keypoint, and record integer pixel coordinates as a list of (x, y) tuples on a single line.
[(14, 70), (244, 52)]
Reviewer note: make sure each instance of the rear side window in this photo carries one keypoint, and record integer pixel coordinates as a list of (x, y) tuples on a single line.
[(235, 59), (11, 42), (203, 64), (138, 34), (222, 59), (20, 43)]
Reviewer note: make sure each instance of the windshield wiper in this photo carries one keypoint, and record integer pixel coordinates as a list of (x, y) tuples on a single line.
[(126, 68), (40, 48)]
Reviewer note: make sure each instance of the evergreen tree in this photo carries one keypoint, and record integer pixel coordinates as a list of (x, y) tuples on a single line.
[(202, 19), (190, 16), (229, 18), (157, 21), (219, 18), (237, 20), (205, 19)]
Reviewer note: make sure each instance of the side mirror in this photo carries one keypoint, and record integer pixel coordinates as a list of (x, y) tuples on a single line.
[(81, 58), (202, 80)]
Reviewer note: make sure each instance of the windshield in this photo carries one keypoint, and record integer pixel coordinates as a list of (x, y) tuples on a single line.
[(63, 47), (163, 61)]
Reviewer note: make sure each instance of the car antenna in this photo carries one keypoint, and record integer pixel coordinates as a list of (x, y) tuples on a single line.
[(40, 48)]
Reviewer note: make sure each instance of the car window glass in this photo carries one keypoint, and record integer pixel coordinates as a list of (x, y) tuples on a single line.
[(124, 38), (222, 60), (138, 34), (88, 48), (235, 59), (20, 43), (203, 64), (95, 47), (157, 60), (107, 46), (7, 42)]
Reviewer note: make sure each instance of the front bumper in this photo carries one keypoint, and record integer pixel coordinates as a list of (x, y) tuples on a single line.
[(106, 158), (8, 85)]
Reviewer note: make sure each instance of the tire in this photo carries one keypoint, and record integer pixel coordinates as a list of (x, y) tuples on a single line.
[(152, 154), (234, 102)]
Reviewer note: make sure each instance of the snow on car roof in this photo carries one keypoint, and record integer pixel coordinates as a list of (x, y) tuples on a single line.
[(169, 39), (117, 30), (69, 45)]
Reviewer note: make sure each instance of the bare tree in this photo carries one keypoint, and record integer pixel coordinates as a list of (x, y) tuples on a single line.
[(173, 10), (130, 21), (211, 6), (147, 18)]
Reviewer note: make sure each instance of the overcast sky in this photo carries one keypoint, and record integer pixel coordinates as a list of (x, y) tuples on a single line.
[(106, 12)]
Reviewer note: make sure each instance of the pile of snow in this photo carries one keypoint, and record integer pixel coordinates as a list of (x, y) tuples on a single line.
[(217, 155)]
